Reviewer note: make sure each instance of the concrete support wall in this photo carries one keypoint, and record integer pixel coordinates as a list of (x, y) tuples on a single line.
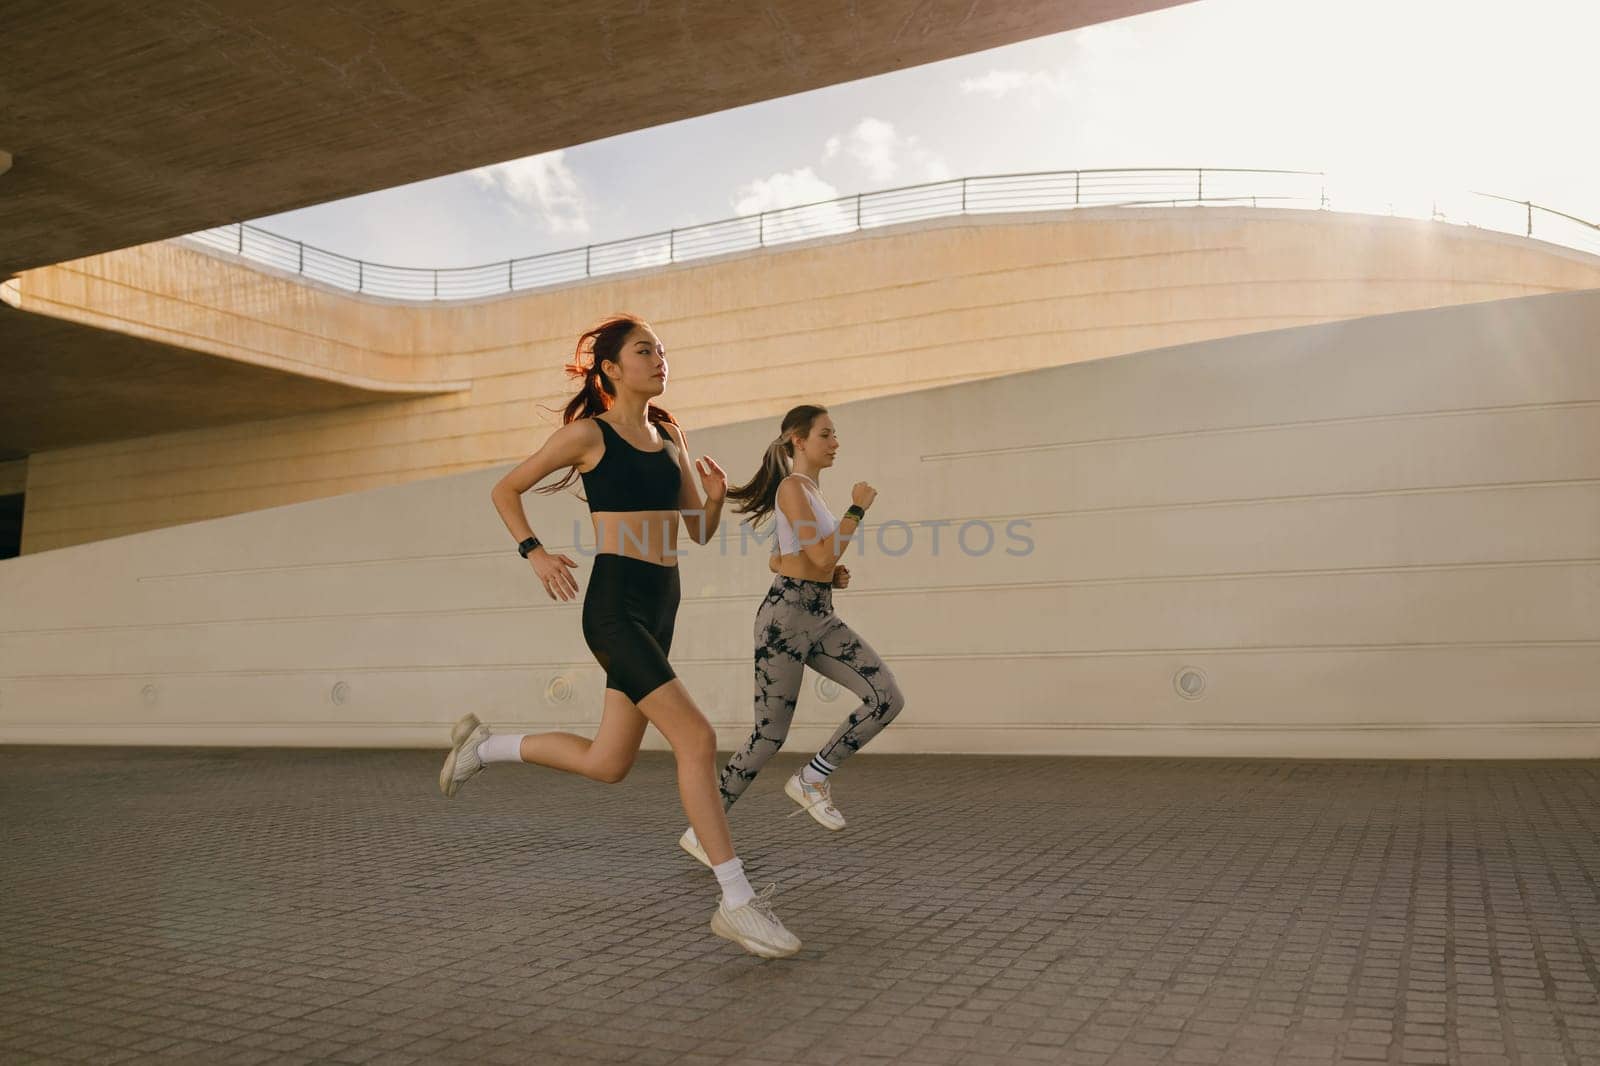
[(854, 318), (1371, 538)]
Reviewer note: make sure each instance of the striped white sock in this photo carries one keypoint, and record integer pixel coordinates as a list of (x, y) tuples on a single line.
[(816, 771)]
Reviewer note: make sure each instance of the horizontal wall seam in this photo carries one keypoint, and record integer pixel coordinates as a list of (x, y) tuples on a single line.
[(1177, 506), (418, 472), (1268, 427), (892, 656), (878, 593)]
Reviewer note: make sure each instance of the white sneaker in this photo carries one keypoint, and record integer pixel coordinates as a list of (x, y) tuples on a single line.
[(816, 800), (463, 728), (755, 928), (463, 764), (691, 843)]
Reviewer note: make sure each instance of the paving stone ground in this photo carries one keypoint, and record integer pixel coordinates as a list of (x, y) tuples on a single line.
[(272, 906)]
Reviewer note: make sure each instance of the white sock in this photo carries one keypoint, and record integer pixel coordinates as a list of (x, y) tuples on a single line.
[(501, 747), (736, 890), (816, 771)]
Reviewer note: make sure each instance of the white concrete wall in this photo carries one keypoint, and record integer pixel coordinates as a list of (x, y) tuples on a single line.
[(869, 314), (1374, 538)]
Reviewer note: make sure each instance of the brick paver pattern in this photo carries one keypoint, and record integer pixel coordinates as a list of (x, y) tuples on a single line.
[(278, 906)]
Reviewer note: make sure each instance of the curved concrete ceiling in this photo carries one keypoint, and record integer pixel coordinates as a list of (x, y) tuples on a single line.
[(89, 384), (131, 122)]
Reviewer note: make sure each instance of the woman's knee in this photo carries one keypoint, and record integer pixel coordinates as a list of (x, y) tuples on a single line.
[(611, 771), (768, 738), (671, 710), (891, 702), (694, 739)]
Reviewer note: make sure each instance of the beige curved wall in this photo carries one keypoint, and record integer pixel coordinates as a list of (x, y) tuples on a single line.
[(1373, 538), (847, 319)]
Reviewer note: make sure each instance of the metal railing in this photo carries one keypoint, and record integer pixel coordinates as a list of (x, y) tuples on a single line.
[(997, 194)]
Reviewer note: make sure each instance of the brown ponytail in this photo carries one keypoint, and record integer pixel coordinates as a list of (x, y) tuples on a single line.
[(597, 393), (759, 497)]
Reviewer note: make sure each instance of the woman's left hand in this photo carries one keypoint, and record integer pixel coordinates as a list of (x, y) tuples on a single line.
[(712, 478), (841, 577)]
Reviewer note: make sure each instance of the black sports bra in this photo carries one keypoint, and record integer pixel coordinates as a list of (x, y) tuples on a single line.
[(627, 479)]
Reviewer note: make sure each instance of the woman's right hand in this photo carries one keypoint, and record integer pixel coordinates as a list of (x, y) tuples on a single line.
[(553, 571), (863, 495)]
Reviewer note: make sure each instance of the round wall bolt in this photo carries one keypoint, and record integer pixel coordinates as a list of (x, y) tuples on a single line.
[(149, 694), (341, 692), (1190, 682), (559, 690), (827, 689)]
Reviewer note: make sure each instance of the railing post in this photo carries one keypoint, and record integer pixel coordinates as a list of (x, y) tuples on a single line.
[(361, 275), (588, 254), (435, 283), (241, 238), (761, 226), (672, 245), (858, 210), (511, 284), (1530, 217), (1201, 187), (963, 196), (300, 268), (1077, 188)]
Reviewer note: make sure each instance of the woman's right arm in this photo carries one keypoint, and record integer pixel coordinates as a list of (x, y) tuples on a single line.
[(803, 520), (566, 447)]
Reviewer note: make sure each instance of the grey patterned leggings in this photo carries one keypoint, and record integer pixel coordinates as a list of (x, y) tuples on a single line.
[(796, 628)]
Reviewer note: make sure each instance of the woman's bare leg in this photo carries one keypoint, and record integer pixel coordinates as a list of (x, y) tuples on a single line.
[(608, 757), (694, 744)]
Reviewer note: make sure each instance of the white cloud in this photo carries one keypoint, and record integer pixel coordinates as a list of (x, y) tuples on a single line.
[(999, 84), (798, 204), (782, 196), (884, 153), (873, 144), (544, 185), (783, 190), (996, 83)]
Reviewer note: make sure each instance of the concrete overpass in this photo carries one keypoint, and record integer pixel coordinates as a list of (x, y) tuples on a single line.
[(130, 122)]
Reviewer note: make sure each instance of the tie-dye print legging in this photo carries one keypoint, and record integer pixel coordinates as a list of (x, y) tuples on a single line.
[(796, 628)]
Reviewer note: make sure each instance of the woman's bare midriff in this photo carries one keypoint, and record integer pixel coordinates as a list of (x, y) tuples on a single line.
[(797, 566), (651, 536)]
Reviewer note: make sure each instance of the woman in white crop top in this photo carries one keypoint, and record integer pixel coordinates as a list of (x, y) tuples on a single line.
[(795, 626), (789, 542)]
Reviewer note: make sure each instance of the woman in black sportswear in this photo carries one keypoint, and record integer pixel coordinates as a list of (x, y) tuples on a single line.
[(633, 459)]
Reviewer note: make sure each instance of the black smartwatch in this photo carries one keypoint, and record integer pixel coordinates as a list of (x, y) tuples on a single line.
[(527, 546)]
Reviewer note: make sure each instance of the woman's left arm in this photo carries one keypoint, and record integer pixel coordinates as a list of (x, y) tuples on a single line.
[(700, 517)]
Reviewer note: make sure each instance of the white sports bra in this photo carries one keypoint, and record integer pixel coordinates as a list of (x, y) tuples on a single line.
[(788, 542)]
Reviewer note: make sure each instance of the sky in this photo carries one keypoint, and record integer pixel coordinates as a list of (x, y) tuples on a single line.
[(1406, 95)]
